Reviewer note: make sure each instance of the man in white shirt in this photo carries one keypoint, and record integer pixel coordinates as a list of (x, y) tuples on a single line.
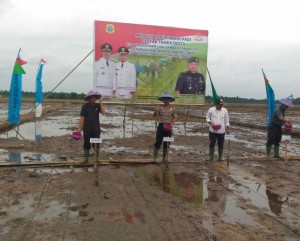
[(125, 76), (218, 119), (105, 73)]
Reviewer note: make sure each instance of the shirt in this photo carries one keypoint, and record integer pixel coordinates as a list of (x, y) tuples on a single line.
[(190, 83), (125, 75), (91, 112), (166, 114), (218, 117), (104, 76), (278, 112)]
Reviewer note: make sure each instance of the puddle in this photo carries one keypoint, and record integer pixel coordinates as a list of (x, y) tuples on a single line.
[(186, 186), (20, 211), (258, 193), (204, 194)]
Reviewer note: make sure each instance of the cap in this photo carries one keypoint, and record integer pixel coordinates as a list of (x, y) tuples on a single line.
[(166, 95), (287, 102), (90, 94), (106, 47), (123, 50), (193, 59), (219, 101)]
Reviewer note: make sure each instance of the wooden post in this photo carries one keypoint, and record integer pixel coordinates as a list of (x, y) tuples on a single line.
[(167, 160), (285, 151), (124, 121), (228, 154)]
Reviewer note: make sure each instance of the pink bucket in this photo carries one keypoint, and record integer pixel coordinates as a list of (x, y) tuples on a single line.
[(76, 135), (288, 127), (216, 127), (167, 127)]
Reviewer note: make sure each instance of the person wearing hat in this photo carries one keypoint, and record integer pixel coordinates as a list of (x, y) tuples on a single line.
[(218, 119), (125, 76), (105, 72), (89, 122), (275, 127), (166, 117), (191, 82)]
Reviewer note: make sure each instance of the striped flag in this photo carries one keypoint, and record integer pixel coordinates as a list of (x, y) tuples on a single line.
[(270, 98), (15, 94)]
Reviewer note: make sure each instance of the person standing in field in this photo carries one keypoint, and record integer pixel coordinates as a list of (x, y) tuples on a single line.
[(218, 119), (275, 127), (89, 122), (105, 73), (166, 117)]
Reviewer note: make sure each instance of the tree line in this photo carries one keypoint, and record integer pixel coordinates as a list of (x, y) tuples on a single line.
[(76, 96)]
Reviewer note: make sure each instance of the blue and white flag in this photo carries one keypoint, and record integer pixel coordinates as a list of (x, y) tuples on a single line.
[(15, 94), (39, 89)]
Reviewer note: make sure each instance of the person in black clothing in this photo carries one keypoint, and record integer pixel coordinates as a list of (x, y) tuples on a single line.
[(275, 127), (90, 122), (191, 82)]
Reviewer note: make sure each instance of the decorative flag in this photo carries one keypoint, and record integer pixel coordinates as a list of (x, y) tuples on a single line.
[(38, 100), (39, 89), (270, 98), (214, 93), (15, 94)]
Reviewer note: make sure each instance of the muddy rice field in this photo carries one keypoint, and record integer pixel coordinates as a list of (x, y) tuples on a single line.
[(48, 195)]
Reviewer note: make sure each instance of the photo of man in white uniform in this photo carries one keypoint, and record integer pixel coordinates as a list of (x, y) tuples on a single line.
[(105, 73), (125, 76)]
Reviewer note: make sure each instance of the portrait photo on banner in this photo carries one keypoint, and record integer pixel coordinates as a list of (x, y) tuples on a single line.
[(136, 63)]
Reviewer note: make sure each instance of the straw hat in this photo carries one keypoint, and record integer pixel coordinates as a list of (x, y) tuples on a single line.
[(287, 102), (90, 94), (166, 95)]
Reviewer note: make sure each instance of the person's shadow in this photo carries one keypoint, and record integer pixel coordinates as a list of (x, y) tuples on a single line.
[(275, 201)]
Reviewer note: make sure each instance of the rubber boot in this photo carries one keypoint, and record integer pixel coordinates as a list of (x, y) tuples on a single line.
[(269, 152), (211, 153), (97, 155), (155, 151), (164, 158), (276, 152), (86, 156), (220, 153)]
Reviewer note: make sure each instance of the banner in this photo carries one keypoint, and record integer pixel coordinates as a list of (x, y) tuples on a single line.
[(134, 62), (39, 89), (15, 94), (270, 98), (38, 100)]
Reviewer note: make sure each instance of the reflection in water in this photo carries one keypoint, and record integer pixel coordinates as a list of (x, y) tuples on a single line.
[(216, 198), (14, 157), (25, 157), (275, 201), (187, 186)]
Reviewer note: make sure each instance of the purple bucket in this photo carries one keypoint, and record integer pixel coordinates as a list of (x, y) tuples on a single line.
[(167, 127), (216, 127), (76, 135)]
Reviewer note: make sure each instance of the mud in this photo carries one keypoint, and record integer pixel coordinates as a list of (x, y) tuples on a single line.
[(48, 195)]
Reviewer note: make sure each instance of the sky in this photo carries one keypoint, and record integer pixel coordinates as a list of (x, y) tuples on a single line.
[(244, 37)]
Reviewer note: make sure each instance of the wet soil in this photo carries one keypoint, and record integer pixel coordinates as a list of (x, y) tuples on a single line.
[(126, 197)]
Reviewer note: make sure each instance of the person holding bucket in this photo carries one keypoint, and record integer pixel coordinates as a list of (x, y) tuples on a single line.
[(275, 127), (218, 119), (166, 117), (90, 122)]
